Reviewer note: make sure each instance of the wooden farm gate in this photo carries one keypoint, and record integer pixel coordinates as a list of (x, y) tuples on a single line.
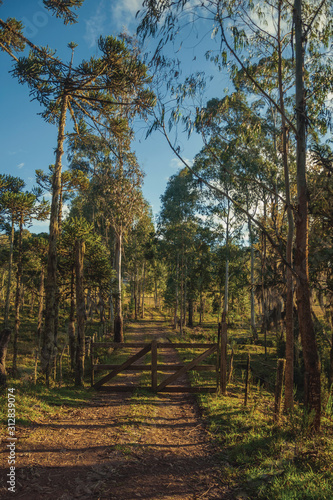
[(178, 369)]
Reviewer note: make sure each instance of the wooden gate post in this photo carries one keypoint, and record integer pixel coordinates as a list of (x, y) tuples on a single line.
[(154, 365), (278, 388)]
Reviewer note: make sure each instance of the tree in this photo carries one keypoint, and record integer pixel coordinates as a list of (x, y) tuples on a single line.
[(83, 255), (71, 181), (177, 225), (9, 187), (26, 209)]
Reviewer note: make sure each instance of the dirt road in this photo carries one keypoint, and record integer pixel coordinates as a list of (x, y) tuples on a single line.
[(122, 447)]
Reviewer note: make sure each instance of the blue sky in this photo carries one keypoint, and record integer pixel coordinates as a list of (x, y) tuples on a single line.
[(27, 143)]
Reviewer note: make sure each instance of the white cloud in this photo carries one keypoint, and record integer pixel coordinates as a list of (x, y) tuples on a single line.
[(124, 11), (20, 165), (177, 163), (95, 25)]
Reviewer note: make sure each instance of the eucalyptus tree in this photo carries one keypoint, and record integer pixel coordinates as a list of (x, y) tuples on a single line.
[(140, 254), (238, 25), (236, 159), (177, 224), (120, 188)]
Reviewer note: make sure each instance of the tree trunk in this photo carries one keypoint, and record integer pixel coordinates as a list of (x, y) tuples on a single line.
[(18, 297), (143, 288), (10, 268), (49, 345), (4, 341), (156, 293), (253, 316), (185, 293), (177, 299), (226, 282), (136, 285), (40, 306), (80, 312), (289, 370), (190, 313), (71, 323), (118, 321), (263, 287), (181, 296), (308, 339), (201, 308)]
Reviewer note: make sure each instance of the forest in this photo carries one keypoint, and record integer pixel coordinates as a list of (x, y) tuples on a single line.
[(240, 252)]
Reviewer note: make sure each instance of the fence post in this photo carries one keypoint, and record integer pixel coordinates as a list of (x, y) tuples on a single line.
[(247, 379), (154, 365), (218, 360), (36, 366), (278, 388), (60, 364), (224, 335), (231, 365), (92, 359)]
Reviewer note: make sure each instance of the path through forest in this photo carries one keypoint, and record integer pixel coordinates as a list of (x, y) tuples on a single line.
[(122, 447)]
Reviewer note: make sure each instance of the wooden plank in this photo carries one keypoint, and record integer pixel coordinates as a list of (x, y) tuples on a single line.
[(187, 367), (161, 345), (191, 390), (122, 367), (133, 368), (173, 389), (161, 368), (137, 345), (154, 365), (183, 345), (120, 388)]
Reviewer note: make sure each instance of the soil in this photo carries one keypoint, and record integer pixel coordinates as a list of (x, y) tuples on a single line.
[(115, 449)]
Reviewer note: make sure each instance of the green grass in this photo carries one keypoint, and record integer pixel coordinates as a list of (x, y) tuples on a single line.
[(266, 460), (35, 403)]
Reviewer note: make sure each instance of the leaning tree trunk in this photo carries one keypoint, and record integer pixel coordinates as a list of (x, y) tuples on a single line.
[(18, 298), (80, 312), (118, 320), (49, 346), (10, 268), (308, 338)]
